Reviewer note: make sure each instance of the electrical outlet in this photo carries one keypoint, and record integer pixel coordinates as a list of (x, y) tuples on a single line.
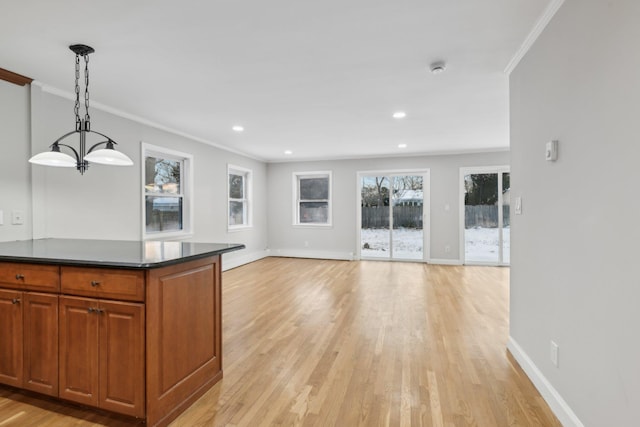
[(306, 243), (554, 354), (17, 217), (447, 249), (1, 218)]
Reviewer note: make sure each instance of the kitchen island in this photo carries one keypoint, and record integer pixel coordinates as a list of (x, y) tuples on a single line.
[(124, 326)]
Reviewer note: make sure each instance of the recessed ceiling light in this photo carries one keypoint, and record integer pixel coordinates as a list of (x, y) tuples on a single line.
[(402, 145), (238, 128), (288, 152), (399, 115), (438, 67)]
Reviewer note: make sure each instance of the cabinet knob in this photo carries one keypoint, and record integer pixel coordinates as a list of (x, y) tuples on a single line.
[(95, 283), (15, 301), (91, 310), (19, 276)]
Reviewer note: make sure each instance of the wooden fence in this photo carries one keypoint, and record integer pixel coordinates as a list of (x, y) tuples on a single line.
[(411, 216), (485, 216), (403, 216)]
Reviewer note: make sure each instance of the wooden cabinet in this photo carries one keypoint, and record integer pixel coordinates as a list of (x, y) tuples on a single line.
[(102, 354), (29, 341), (45, 278), (40, 342), (78, 339), (11, 337), (126, 285), (143, 342)]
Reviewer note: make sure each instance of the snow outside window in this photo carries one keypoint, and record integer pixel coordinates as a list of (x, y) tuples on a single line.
[(312, 195), (239, 197), (166, 204)]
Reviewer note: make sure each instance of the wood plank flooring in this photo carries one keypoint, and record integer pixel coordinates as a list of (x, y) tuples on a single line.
[(336, 343)]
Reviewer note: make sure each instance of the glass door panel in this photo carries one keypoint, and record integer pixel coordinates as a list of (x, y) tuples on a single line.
[(375, 238), (391, 214), (407, 204), (487, 219), (481, 222)]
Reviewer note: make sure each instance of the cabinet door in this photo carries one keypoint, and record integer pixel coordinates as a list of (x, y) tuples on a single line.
[(11, 338), (122, 358), (79, 350), (40, 345)]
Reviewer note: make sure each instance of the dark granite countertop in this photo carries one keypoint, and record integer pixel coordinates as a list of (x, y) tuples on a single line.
[(110, 253)]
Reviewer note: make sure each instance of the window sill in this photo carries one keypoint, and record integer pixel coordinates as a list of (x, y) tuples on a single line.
[(312, 225), (236, 228), (167, 236)]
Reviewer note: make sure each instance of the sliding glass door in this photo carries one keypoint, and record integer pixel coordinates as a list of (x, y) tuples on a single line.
[(485, 218), (392, 212)]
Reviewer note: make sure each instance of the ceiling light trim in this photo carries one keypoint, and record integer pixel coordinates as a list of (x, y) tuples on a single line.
[(141, 120), (542, 23)]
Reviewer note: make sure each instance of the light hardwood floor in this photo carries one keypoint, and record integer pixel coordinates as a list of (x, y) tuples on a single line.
[(336, 343)]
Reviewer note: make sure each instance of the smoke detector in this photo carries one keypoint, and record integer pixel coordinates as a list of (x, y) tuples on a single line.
[(438, 67)]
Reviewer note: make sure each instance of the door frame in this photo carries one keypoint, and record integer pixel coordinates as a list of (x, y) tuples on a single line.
[(426, 211), (482, 170)]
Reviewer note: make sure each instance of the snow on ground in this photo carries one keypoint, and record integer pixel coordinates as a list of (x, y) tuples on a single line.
[(481, 244), (407, 243)]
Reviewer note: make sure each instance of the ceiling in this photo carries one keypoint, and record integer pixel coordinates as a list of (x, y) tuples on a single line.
[(319, 78)]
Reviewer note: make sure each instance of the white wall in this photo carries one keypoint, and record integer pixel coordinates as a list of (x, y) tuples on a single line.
[(105, 203), (574, 250), (339, 241), (15, 181)]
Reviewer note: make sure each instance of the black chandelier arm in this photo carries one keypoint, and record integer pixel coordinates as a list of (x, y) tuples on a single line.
[(109, 142), (63, 137), (69, 147), (102, 134), (96, 145)]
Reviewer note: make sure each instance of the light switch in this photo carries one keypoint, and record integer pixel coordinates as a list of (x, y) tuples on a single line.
[(518, 206), (17, 217), (1, 218), (551, 151)]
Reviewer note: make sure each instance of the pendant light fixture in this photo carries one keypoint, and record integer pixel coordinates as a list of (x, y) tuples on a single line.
[(106, 155)]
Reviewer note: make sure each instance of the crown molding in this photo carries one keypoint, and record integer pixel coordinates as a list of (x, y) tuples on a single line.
[(542, 23), (120, 113), (461, 151)]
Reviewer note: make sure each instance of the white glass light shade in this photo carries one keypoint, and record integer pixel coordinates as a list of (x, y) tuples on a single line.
[(109, 156), (54, 158)]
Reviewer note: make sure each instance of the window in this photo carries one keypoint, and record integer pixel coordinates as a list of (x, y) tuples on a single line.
[(239, 197), (312, 195), (167, 206)]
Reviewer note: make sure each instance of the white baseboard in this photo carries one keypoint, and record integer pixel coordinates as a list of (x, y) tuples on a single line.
[(557, 404), (233, 260), (300, 253), (445, 261)]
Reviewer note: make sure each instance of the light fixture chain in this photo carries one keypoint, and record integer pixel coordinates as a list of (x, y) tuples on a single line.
[(76, 108), (87, 118)]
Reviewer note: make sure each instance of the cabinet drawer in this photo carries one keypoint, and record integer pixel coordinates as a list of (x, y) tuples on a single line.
[(103, 283), (30, 276)]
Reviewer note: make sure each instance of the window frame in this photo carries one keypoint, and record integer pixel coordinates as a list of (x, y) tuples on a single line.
[(186, 191), (247, 200), (296, 199)]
